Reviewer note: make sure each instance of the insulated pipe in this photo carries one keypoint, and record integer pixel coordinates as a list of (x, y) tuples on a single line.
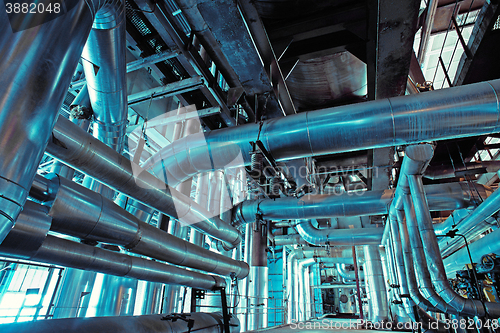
[(104, 65), (439, 172), (486, 245), (335, 237), (441, 197), (202, 323), (397, 252), (342, 255), (344, 273), (420, 261), (82, 213), (436, 115), (29, 240), (81, 151), (37, 64), (409, 272), (375, 279), (302, 287), (463, 306)]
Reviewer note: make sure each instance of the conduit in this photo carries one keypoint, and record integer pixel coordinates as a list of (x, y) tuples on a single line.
[(441, 197), (30, 240), (202, 323), (437, 115), (82, 213), (81, 151), (335, 237)]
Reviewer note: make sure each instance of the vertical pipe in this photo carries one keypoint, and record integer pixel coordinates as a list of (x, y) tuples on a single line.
[(258, 277), (37, 64), (356, 274), (373, 267)]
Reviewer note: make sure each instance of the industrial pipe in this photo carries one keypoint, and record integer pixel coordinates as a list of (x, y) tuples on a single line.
[(104, 65), (78, 149), (80, 212), (439, 172), (441, 197), (375, 279), (335, 237), (469, 110), (37, 65), (468, 307), (158, 323), (29, 240)]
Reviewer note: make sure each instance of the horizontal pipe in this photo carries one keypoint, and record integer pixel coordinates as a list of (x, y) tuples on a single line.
[(282, 240), (202, 323), (441, 197), (29, 240), (443, 114), (335, 237), (485, 245), (76, 148), (80, 212)]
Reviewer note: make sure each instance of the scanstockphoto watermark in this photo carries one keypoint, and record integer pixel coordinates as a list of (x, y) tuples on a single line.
[(329, 324)]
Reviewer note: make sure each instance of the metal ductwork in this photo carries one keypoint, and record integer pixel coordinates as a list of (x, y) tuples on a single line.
[(82, 213), (201, 323), (336, 237), (104, 65), (79, 150), (441, 197), (374, 276), (462, 305), (37, 66), (456, 112), (29, 240)]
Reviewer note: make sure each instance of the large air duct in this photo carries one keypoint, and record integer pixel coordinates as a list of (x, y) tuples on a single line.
[(81, 151), (182, 322), (441, 197), (336, 237), (38, 56), (82, 213), (468, 168), (374, 276), (29, 240), (104, 65), (437, 115)]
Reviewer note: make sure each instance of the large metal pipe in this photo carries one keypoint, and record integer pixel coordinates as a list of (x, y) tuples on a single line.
[(201, 323), (76, 148), (375, 279), (441, 197), (463, 306), (29, 240), (104, 65), (337, 255), (37, 64), (437, 115), (486, 245), (82, 213), (409, 272), (335, 237)]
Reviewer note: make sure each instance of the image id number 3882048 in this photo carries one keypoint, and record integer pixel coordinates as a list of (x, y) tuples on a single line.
[(471, 323), (32, 8)]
